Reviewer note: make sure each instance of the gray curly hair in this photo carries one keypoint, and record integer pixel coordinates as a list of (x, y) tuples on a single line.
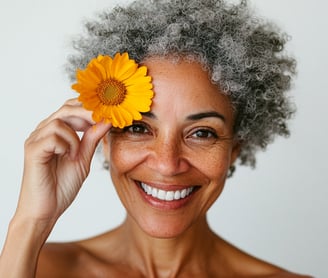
[(242, 53)]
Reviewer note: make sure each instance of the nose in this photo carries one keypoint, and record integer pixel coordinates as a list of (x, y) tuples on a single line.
[(166, 156)]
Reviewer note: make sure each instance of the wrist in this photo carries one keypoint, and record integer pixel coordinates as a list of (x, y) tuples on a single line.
[(35, 230), (21, 250)]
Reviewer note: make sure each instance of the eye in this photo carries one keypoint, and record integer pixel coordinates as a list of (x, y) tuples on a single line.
[(137, 128), (204, 134)]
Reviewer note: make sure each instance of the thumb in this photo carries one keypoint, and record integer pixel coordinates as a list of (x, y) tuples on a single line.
[(91, 139)]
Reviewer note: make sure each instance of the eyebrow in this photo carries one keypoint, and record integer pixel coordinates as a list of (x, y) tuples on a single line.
[(203, 115), (149, 115), (193, 117)]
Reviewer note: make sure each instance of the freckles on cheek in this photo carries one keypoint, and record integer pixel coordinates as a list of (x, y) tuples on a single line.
[(124, 156), (216, 167), (118, 157)]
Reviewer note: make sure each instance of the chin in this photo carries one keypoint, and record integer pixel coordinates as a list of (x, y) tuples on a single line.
[(164, 226)]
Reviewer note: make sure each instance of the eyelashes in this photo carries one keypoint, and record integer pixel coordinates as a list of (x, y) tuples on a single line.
[(139, 130), (136, 129), (199, 133), (204, 133)]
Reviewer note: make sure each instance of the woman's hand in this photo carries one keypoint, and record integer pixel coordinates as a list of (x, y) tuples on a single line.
[(57, 162)]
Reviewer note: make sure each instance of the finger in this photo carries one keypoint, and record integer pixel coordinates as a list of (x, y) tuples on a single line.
[(73, 114), (43, 150), (56, 132), (74, 102), (91, 139)]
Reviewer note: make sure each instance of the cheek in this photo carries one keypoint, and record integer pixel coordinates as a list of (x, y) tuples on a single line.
[(214, 164), (124, 156)]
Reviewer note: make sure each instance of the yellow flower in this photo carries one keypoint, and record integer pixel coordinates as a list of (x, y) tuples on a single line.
[(116, 89)]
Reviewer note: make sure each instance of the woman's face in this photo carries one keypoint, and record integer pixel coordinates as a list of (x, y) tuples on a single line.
[(169, 167)]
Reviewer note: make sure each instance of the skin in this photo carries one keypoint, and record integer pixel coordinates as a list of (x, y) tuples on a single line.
[(185, 141)]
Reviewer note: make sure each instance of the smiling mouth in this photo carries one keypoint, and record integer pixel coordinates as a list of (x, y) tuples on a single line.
[(164, 195)]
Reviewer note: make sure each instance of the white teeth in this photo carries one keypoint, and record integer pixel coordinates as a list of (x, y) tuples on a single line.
[(161, 194), (183, 193), (166, 195), (148, 189), (169, 196), (177, 195), (154, 192)]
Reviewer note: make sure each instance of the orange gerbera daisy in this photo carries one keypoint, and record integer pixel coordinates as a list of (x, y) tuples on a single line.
[(116, 89)]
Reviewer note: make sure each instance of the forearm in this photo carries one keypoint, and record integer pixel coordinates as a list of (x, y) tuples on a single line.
[(20, 253)]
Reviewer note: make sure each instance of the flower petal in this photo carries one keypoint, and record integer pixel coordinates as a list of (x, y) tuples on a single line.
[(92, 84)]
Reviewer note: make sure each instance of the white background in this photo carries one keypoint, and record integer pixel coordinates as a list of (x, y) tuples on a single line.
[(277, 211)]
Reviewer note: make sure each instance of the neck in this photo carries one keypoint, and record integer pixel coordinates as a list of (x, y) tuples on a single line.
[(165, 257)]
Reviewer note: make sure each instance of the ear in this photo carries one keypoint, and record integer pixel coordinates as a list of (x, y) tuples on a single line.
[(105, 147), (235, 151)]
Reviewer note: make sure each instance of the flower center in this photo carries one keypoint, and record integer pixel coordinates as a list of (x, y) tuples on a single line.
[(111, 92)]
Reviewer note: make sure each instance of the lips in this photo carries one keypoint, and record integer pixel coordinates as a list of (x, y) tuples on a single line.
[(164, 195)]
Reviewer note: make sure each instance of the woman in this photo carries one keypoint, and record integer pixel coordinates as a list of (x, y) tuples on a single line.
[(219, 80)]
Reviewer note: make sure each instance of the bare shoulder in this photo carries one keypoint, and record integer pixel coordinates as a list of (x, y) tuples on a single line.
[(246, 265), (76, 259), (285, 274), (58, 259)]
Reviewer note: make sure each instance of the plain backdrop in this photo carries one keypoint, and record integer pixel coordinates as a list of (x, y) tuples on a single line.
[(277, 212)]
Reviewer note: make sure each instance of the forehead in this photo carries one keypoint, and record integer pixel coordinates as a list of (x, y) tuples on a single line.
[(166, 69), (185, 86)]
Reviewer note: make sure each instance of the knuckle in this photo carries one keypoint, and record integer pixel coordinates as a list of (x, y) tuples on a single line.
[(72, 101), (56, 124)]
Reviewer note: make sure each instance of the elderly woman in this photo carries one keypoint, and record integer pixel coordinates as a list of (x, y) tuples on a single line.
[(217, 95)]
